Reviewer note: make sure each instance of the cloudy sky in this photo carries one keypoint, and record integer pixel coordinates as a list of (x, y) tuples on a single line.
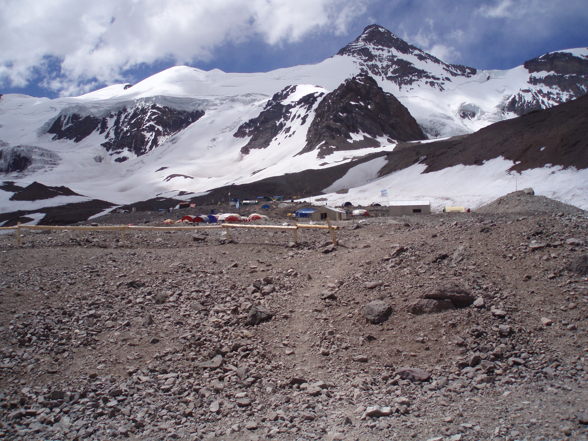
[(67, 47)]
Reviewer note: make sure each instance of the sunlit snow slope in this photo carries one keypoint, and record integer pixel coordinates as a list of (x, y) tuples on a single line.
[(175, 131)]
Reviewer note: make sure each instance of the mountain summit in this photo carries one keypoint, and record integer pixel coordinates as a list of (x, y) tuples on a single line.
[(389, 57), (377, 36)]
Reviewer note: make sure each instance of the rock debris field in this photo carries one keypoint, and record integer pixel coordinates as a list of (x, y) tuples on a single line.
[(443, 327)]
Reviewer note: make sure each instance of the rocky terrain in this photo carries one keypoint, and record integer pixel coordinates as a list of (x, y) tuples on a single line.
[(445, 327)]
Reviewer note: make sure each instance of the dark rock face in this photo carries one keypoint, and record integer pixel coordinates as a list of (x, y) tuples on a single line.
[(73, 126), (564, 76), (388, 65), (359, 105), (137, 129), (554, 136), (15, 162), (37, 191), (274, 118), (21, 158)]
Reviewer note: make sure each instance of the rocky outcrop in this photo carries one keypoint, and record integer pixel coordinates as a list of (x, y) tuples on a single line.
[(13, 161), (357, 113), (137, 129), (555, 78), (389, 63), (274, 118), (554, 137), (37, 191), (26, 158)]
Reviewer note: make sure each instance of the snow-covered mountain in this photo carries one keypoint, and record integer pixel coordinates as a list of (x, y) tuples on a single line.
[(187, 131)]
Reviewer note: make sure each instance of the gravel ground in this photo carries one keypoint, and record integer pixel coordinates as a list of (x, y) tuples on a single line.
[(442, 327)]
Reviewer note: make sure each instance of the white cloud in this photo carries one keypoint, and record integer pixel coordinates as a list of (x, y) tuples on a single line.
[(97, 41), (500, 9), (446, 53)]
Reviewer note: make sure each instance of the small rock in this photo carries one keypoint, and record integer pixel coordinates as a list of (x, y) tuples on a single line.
[(214, 406), (374, 284), (575, 242), (377, 311), (498, 312), (160, 298), (377, 411), (457, 295), (258, 314), (251, 425), (479, 302), (504, 330), (243, 402), (546, 321), (579, 265), (413, 374), (328, 249), (534, 245), (214, 363)]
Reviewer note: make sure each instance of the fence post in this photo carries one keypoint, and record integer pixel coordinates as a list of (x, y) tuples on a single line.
[(18, 238), (332, 231), (228, 232), (295, 234)]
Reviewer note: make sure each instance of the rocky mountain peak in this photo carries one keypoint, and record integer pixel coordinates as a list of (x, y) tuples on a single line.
[(382, 54), (377, 36), (358, 114)]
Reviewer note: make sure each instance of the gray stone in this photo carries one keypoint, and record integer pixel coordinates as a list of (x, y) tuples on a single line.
[(377, 311), (504, 330), (377, 411), (214, 363), (413, 374), (258, 314), (160, 298), (579, 265), (457, 295), (498, 312), (479, 302), (575, 242)]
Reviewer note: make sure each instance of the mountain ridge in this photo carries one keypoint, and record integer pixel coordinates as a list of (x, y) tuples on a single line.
[(243, 128)]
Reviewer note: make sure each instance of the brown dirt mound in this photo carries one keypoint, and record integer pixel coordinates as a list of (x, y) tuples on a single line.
[(524, 201)]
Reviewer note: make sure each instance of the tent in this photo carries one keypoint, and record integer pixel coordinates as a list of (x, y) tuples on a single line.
[(229, 217), (256, 217), (304, 212), (186, 219)]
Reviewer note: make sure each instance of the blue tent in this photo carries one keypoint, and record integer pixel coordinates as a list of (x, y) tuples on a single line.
[(304, 212), (265, 207)]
